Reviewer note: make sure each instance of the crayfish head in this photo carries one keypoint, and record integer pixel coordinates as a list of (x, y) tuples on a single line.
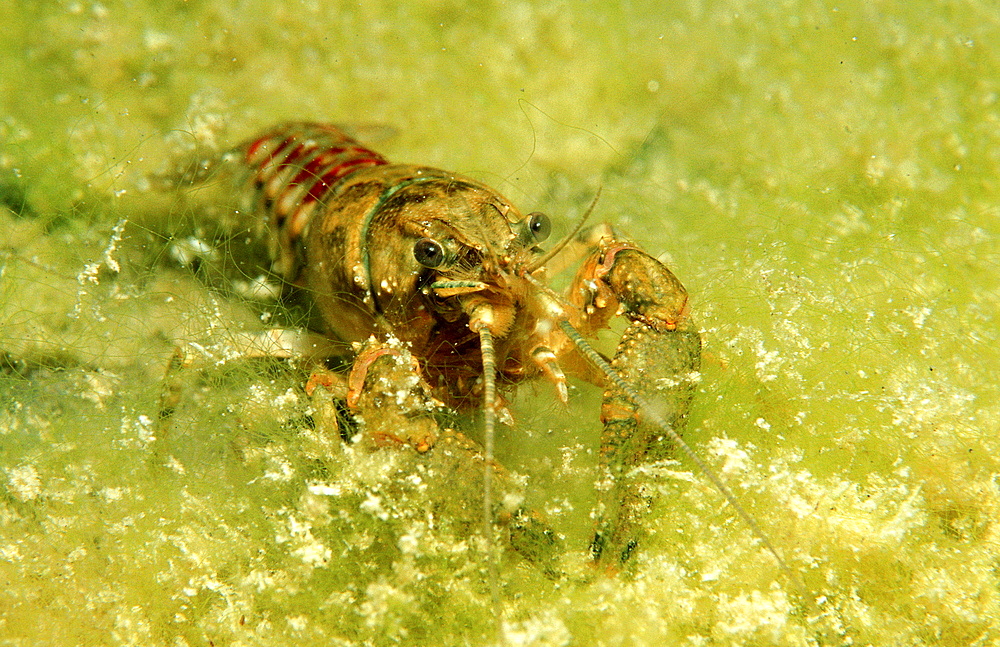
[(508, 276), (493, 294)]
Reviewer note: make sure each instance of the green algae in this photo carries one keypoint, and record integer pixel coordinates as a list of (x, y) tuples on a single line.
[(823, 180)]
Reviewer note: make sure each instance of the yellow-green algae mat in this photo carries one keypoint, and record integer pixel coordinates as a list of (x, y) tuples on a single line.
[(823, 179)]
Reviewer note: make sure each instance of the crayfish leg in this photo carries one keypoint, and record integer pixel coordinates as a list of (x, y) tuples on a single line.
[(277, 343)]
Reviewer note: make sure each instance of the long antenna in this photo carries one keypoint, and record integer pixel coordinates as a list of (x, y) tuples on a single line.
[(489, 425), (653, 417)]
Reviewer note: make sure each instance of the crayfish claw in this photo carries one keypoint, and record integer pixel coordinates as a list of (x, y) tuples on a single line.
[(387, 394), (662, 367)]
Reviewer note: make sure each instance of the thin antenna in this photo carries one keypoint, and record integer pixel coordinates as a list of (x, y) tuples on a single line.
[(653, 417), (489, 425)]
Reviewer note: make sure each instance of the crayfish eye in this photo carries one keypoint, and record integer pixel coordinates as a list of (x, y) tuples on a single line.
[(429, 253), (539, 225)]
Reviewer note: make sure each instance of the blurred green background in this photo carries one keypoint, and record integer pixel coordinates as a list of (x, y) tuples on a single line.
[(824, 179)]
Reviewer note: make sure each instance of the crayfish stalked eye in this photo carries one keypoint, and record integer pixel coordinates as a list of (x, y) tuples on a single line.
[(429, 253), (539, 225), (535, 228)]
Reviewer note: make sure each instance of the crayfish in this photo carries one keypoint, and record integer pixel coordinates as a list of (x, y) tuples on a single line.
[(433, 286)]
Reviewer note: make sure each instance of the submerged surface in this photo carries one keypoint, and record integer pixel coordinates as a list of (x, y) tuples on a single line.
[(823, 181)]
